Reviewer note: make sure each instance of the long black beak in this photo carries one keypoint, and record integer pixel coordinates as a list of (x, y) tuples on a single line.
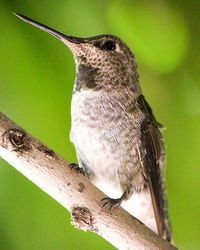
[(51, 31)]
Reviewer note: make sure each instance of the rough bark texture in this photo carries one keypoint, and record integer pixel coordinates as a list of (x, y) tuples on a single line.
[(73, 190)]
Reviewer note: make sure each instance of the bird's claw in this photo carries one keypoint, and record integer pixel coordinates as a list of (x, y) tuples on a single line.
[(111, 203)]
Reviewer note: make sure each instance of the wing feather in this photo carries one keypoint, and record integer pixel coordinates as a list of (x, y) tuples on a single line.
[(153, 161)]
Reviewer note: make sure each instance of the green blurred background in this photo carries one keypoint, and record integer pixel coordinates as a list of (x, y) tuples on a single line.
[(36, 81)]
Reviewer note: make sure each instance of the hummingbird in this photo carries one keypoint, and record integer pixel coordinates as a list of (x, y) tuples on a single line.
[(118, 141)]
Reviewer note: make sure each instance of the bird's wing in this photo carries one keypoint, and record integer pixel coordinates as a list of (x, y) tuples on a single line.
[(153, 161)]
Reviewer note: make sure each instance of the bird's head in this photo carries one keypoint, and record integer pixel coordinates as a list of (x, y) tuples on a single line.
[(103, 61)]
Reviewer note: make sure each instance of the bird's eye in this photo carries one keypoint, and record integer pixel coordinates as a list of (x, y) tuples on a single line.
[(108, 45)]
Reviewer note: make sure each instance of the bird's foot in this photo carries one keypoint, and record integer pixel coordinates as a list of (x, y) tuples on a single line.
[(74, 166), (111, 203)]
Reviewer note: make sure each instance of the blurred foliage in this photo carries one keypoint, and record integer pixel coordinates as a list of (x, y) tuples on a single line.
[(160, 37), (36, 82)]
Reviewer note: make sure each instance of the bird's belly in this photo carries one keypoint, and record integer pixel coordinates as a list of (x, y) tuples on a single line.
[(96, 155)]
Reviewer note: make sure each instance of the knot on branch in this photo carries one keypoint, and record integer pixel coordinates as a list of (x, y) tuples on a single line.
[(83, 219), (18, 139)]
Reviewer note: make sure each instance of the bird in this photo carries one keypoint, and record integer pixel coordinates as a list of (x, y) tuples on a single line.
[(118, 141)]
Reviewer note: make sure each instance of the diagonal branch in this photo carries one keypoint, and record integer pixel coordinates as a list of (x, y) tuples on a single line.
[(74, 191)]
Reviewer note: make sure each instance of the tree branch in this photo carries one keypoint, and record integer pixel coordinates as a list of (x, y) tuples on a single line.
[(74, 191)]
